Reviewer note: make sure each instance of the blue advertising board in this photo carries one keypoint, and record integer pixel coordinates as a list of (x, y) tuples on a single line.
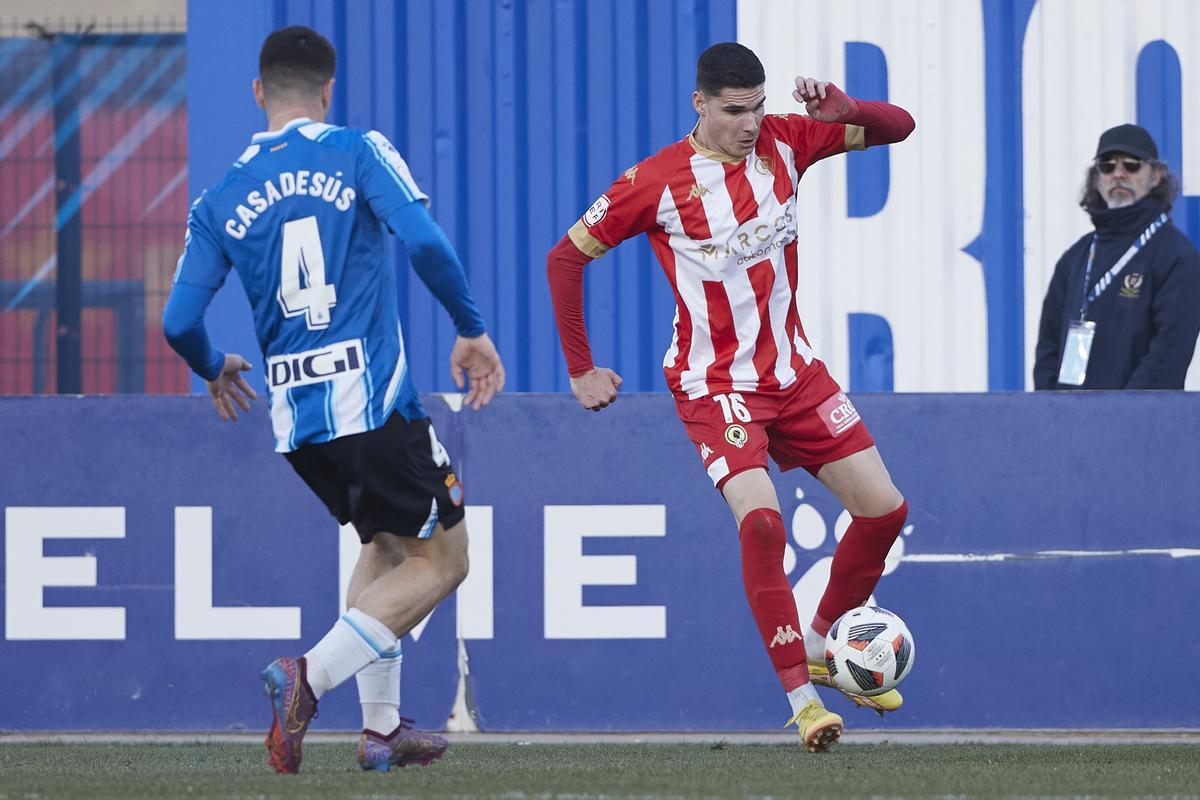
[(155, 560)]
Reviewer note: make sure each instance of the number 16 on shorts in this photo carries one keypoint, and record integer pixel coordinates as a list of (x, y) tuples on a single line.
[(733, 406)]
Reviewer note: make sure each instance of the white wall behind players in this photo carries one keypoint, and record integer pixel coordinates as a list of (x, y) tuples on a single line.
[(905, 263), (1079, 63)]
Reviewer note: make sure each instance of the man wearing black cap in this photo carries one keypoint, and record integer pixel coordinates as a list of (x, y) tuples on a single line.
[(1123, 307)]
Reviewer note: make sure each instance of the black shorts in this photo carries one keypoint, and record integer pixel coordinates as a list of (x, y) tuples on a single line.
[(396, 478)]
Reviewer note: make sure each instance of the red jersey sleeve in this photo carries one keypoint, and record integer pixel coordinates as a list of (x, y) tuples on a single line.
[(812, 141), (861, 124), (564, 271), (629, 207)]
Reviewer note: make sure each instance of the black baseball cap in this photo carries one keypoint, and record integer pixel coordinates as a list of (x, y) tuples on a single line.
[(1131, 139)]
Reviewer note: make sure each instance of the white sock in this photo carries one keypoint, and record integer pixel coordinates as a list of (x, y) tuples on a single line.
[(814, 645), (354, 641), (801, 695), (379, 693)]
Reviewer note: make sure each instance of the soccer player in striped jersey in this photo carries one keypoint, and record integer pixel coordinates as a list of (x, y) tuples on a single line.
[(302, 216), (719, 209)]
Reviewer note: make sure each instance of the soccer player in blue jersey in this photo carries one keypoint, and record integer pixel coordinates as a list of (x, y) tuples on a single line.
[(302, 216)]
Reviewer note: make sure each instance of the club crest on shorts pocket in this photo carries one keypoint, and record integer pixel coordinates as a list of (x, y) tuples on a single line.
[(736, 435)]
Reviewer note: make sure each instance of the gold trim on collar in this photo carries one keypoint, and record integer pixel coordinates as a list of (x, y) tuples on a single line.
[(701, 150)]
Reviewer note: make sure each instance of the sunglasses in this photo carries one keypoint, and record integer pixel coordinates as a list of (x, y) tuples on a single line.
[(1109, 165)]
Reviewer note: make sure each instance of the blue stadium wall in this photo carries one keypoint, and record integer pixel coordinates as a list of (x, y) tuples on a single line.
[(155, 560), (511, 116), (924, 263)]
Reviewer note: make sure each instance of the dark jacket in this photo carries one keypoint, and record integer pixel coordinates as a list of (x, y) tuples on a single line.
[(1146, 320)]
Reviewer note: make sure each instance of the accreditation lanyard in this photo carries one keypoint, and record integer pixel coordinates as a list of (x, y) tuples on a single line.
[(1107, 278)]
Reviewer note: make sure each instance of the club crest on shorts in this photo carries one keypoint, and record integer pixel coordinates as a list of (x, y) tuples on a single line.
[(1132, 286), (838, 414), (736, 435), (455, 488)]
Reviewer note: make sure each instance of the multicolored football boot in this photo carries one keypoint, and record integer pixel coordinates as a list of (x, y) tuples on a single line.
[(292, 708), (401, 747), (819, 727), (891, 700)]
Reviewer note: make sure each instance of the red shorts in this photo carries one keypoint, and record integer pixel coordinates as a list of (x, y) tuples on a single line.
[(808, 424)]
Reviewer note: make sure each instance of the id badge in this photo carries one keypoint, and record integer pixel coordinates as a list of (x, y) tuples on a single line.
[(1073, 371)]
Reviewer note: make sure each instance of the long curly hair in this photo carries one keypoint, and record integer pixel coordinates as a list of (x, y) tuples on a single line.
[(1165, 191)]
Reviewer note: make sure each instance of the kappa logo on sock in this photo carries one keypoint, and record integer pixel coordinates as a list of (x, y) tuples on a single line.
[(785, 636)]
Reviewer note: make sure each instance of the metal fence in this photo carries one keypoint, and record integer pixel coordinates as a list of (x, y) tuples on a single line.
[(93, 191)]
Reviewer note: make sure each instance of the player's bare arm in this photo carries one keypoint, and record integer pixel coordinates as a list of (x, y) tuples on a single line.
[(596, 389), (230, 388), (475, 364)]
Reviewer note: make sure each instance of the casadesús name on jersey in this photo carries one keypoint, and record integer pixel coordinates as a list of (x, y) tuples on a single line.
[(302, 182), (316, 366)]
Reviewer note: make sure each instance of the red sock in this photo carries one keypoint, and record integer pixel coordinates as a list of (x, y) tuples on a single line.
[(763, 539), (857, 565)]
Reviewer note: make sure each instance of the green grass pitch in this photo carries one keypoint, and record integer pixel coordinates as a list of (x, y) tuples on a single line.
[(515, 771)]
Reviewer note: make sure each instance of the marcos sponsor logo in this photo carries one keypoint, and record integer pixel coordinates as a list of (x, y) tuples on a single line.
[(753, 240), (316, 366), (838, 413)]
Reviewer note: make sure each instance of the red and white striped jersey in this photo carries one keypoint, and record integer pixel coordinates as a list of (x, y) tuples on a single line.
[(725, 232)]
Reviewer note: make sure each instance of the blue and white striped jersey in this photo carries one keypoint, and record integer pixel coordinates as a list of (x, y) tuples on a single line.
[(302, 216)]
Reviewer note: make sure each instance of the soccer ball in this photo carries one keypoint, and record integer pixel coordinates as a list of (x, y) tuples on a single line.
[(869, 651)]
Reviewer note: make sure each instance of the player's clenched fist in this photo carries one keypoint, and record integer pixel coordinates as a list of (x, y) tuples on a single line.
[(596, 389), (822, 100)]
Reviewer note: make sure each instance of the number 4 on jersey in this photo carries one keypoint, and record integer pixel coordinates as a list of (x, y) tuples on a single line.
[(302, 253)]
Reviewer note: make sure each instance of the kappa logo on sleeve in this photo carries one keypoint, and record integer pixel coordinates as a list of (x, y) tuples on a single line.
[(838, 414), (596, 213)]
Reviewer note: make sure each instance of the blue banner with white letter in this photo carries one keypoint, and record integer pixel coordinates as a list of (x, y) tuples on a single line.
[(155, 560)]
